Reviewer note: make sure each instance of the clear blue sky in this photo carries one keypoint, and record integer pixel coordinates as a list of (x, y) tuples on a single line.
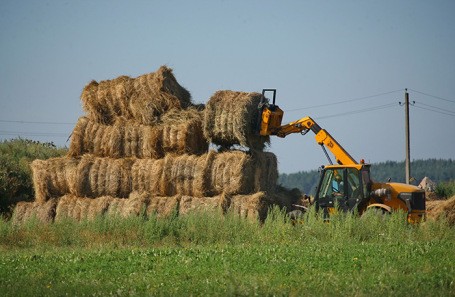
[(314, 52)]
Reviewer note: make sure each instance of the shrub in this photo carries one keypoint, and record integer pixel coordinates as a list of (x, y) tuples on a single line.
[(445, 189), (15, 173)]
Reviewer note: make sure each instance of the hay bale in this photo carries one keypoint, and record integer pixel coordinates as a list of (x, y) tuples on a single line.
[(169, 176), (442, 208), (128, 139), (431, 204), (232, 173), (237, 172), (67, 207), (81, 208), (89, 137), (143, 99), (146, 175), (182, 132), (266, 171), (201, 176), (43, 212), (163, 206), (231, 118), (87, 176), (252, 207), (135, 205), (211, 174), (190, 204), (181, 174), (97, 177), (53, 177)]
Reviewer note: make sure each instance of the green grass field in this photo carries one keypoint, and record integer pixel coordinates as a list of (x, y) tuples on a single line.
[(212, 254)]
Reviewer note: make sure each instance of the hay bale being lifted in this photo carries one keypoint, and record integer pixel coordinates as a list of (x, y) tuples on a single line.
[(232, 117), (127, 139), (143, 99)]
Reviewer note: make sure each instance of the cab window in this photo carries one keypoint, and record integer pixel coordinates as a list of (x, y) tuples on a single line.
[(354, 186), (344, 182), (333, 183)]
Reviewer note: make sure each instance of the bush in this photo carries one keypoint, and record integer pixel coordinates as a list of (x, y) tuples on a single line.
[(15, 173), (445, 189)]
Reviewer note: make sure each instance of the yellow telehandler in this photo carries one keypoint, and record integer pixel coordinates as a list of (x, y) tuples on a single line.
[(348, 184)]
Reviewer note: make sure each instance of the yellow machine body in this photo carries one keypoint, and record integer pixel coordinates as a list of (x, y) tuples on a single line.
[(386, 197), (270, 119)]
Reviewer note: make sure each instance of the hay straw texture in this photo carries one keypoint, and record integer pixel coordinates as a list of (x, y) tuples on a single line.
[(251, 206), (442, 208), (53, 177), (231, 118), (163, 206), (127, 139), (190, 204), (211, 174), (183, 132), (266, 171), (143, 204), (135, 205), (143, 99), (43, 212), (170, 176), (87, 176), (80, 208)]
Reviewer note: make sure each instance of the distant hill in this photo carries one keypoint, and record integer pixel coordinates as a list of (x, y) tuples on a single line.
[(438, 170)]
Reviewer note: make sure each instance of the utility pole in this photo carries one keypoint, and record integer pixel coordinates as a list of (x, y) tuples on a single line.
[(408, 150)]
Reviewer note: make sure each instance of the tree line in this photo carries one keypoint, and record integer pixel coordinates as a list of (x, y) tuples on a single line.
[(438, 170)]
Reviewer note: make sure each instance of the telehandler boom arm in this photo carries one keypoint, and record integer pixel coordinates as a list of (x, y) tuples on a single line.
[(270, 117), (322, 137)]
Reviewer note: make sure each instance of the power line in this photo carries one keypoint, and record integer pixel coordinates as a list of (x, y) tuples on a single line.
[(48, 134), (441, 109), (358, 111), (345, 101), (446, 113), (436, 97)]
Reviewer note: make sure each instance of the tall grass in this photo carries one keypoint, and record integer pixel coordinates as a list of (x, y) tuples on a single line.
[(224, 255), (212, 228)]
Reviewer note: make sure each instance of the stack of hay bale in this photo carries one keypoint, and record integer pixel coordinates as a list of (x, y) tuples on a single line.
[(143, 148), (437, 209)]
